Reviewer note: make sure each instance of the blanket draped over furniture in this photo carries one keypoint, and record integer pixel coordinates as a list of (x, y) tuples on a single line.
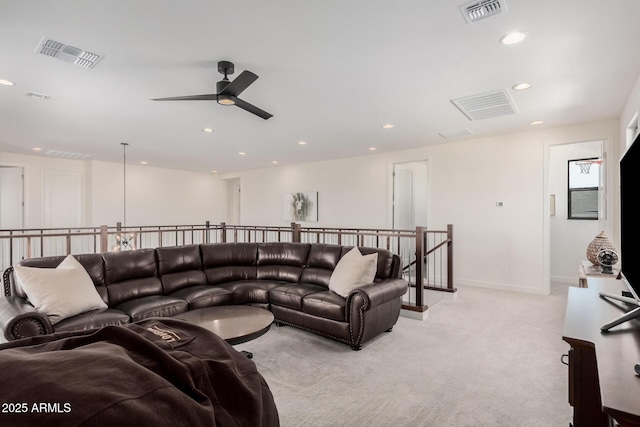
[(292, 280), (154, 372)]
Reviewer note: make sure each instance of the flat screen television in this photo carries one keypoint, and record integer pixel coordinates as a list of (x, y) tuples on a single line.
[(629, 232)]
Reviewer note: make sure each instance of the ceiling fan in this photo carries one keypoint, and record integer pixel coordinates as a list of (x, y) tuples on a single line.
[(228, 91)]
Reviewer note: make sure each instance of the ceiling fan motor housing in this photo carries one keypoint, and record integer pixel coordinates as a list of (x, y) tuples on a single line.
[(224, 99)]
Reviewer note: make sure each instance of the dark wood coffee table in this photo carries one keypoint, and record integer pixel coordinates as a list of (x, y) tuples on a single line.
[(235, 324)]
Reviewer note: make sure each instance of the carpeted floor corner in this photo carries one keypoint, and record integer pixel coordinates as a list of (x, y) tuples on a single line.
[(487, 358)]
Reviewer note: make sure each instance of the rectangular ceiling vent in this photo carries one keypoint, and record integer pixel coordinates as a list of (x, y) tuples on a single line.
[(477, 10), (66, 155), (36, 95), (486, 105), (458, 133), (66, 53)]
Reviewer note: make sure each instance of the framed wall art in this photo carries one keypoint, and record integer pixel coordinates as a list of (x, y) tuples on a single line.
[(300, 206)]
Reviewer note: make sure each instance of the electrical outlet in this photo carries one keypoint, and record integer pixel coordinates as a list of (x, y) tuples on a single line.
[(504, 271)]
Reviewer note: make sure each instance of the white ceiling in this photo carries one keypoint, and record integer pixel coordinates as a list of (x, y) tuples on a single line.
[(331, 72)]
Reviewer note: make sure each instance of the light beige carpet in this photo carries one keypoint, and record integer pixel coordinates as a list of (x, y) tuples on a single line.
[(488, 358)]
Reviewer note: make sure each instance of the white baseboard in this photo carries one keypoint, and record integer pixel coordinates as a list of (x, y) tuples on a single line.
[(415, 315), (565, 279), (501, 286)]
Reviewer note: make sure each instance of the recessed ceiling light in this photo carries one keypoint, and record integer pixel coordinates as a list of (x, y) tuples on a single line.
[(522, 86), (372, 148), (6, 82), (242, 153), (37, 149), (144, 163), (387, 126), (275, 162), (207, 130), (214, 172), (302, 143), (513, 38), (536, 122)]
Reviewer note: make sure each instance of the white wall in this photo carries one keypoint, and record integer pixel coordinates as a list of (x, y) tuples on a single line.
[(466, 180), (154, 196), (34, 171), (569, 238), (346, 188)]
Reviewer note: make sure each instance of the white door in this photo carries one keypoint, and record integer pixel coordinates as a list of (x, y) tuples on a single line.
[(11, 213), (11, 198)]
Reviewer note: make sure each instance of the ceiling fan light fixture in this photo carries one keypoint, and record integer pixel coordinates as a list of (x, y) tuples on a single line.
[(226, 100)]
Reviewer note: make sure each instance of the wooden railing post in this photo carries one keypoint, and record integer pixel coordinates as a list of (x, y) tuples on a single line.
[(11, 248), (296, 234), (223, 237), (104, 239), (419, 264), (207, 233)]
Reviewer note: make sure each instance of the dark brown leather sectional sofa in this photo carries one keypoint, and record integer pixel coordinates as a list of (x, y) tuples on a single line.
[(290, 279)]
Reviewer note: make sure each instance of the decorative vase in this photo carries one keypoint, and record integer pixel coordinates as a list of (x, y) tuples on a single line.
[(599, 243)]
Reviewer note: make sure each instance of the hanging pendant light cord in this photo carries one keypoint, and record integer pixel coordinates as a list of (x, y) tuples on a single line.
[(124, 176)]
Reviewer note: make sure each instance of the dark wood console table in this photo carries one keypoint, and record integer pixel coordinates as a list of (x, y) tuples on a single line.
[(602, 380)]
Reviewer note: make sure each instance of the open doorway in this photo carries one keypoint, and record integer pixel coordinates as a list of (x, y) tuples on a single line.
[(577, 205), (409, 205), (233, 201)]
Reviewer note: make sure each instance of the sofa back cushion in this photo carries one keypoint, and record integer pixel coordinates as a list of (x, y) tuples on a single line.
[(322, 261), (386, 263), (229, 262), (61, 292), (131, 274), (93, 263), (180, 267), (282, 261)]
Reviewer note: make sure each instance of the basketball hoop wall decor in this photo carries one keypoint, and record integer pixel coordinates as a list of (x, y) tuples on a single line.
[(585, 165), (600, 242)]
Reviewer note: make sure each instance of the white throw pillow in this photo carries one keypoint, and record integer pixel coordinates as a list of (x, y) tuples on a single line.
[(353, 271), (59, 292)]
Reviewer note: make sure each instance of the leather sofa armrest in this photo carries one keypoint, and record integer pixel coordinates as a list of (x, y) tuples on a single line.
[(378, 293), (19, 319)]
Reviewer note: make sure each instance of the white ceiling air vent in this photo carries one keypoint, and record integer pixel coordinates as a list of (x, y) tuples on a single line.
[(66, 155), (36, 95), (477, 10), (486, 105), (458, 133), (66, 53)]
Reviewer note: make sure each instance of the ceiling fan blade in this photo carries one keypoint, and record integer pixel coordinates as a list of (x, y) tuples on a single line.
[(210, 97), (252, 109), (239, 84)]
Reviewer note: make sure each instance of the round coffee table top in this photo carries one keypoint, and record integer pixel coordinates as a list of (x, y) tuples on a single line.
[(233, 323)]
